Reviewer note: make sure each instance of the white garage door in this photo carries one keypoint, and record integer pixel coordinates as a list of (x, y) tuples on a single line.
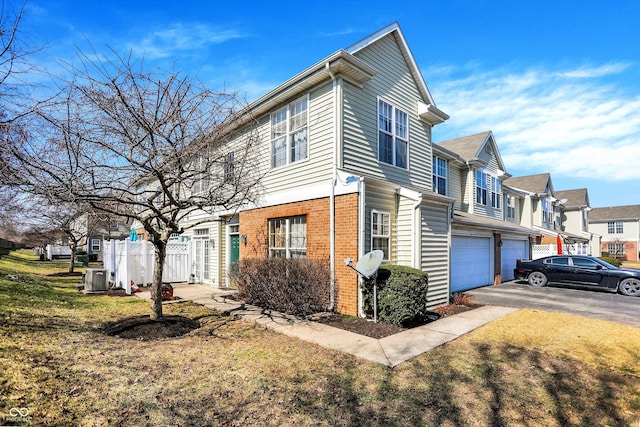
[(511, 251), (470, 262)]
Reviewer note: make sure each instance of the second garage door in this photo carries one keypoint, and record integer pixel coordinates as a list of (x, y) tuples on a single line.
[(470, 262), (512, 250)]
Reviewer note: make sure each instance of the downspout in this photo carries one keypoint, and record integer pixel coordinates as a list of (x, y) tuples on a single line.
[(416, 236), (361, 232), (332, 196)]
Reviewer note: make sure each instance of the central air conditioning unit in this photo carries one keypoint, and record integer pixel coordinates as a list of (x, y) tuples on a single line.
[(95, 279)]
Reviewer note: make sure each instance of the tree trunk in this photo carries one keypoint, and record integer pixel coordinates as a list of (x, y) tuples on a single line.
[(156, 287), (73, 259)]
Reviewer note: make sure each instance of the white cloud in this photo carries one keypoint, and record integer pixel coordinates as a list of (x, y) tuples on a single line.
[(181, 37), (576, 122)]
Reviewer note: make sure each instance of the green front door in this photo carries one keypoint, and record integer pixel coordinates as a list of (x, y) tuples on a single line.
[(235, 248)]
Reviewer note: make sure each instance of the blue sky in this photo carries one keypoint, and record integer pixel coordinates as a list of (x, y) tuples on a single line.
[(558, 82)]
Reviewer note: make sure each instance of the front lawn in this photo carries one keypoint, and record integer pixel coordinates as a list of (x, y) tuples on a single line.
[(58, 364)]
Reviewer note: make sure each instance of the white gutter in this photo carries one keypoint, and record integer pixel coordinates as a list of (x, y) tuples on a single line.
[(361, 231), (332, 196)]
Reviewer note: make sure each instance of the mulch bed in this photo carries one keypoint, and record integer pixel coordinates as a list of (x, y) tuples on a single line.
[(369, 328), (143, 328)]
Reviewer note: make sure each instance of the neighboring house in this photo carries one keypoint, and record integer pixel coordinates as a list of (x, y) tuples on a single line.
[(540, 208), (94, 228), (349, 171), (575, 219), (619, 227), (484, 243)]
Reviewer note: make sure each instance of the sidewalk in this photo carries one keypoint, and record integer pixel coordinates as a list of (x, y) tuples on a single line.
[(389, 351)]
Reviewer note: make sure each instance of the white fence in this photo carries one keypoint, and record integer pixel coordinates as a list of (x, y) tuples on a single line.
[(540, 251), (129, 261)]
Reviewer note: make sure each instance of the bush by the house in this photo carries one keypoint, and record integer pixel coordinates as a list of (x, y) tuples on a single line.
[(402, 295), (294, 286), (611, 260)]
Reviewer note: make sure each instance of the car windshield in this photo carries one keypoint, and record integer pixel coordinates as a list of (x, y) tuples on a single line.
[(606, 264)]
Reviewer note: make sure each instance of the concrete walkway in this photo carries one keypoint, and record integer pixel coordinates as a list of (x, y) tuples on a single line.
[(389, 351)]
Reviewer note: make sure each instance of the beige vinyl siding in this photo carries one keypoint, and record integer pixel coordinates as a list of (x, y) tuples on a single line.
[(382, 199), (404, 234), (435, 251), (395, 85), (455, 185), (319, 165)]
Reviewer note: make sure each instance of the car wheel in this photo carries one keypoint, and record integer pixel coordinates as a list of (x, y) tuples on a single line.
[(537, 279), (630, 287)]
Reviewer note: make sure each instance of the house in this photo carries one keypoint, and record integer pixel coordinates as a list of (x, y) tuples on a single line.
[(349, 149), (486, 238), (540, 208), (92, 228), (575, 220), (619, 227)]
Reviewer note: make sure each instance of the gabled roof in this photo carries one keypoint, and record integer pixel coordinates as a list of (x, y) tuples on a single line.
[(470, 147), (532, 183), (576, 198), (394, 29), (631, 212)]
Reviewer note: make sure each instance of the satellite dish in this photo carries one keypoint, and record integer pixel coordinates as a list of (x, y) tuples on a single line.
[(369, 263), (563, 201)]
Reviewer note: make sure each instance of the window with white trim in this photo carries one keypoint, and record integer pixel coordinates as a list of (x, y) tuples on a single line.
[(229, 167), (200, 176), (393, 135), (95, 245), (615, 249), (439, 172), (289, 133), (381, 232), (615, 227), (496, 192), (511, 207), (547, 211), (288, 237), (481, 187)]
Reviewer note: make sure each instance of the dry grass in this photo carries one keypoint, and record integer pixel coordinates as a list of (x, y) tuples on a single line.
[(55, 362)]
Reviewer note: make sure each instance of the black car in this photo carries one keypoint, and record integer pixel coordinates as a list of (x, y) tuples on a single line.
[(581, 271)]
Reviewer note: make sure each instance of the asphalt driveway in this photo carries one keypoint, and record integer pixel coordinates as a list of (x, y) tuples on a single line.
[(596, 304)]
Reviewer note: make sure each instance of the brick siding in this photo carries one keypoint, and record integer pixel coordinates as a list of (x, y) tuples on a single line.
[(254, 223)]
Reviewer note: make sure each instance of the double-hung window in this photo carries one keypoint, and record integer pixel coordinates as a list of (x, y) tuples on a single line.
[(393, 135), (229, 167), (380, 232), (288, 237), (511, 207), (439, 168), (289, 133), (496, 192), (481, 187), (615, 249), (547, 212), (95, 245), (615, 227)]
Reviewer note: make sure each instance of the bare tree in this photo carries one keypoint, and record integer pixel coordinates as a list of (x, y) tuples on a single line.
[(158, 149)]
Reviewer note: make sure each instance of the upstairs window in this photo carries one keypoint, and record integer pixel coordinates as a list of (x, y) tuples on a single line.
[(381, 232), (229, 167), (288, 237), (615, 227), (547, 212), (439, 168), (393, 135), (496, 192), (511, 207), (289, 133), (481, 187)]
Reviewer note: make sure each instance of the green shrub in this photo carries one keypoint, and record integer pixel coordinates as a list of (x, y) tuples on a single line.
[(612, 261), (293, 286), (402, 295)]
